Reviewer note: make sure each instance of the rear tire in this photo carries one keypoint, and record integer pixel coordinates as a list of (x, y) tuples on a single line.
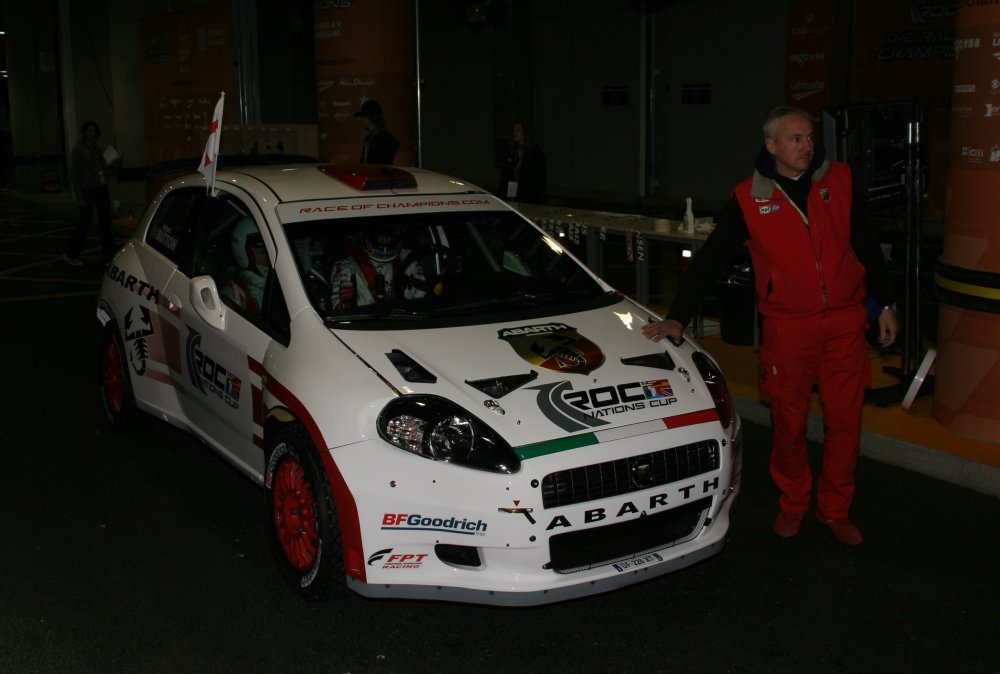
[(301, 518), (115, 383)]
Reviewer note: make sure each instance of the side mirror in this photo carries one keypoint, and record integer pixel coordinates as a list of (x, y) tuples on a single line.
[(207, 303)]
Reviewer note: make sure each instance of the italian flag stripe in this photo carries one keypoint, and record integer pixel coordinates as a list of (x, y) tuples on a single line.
[(573, 441), (553, 446)]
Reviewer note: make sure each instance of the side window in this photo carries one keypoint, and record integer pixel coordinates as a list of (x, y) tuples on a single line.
[(231, 250), (171, 231)]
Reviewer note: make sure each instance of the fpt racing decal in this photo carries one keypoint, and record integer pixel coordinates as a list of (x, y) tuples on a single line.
[(577, 410), (138, 326), (451, 525), (210, 377), (554, 346), (392, 561)]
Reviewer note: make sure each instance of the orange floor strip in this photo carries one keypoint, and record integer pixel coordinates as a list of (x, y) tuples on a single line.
[(915, 426)]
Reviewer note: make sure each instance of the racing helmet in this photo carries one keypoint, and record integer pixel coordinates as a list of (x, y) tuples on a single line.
[(382, 243), (247, 246)]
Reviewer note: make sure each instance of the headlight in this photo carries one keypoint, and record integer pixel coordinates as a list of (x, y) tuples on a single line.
[(437, 429), (716, 384)]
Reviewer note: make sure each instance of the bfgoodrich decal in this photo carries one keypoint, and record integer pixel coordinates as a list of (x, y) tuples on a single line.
[(416, 522)]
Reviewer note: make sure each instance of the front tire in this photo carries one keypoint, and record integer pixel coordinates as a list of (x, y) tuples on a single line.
[(302, 520)]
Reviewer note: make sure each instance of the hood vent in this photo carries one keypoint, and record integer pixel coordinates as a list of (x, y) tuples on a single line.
[(661, 361), (498, 387), (410, 369)]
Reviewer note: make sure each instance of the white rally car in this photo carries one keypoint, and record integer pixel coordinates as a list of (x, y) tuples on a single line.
[(440, 401)]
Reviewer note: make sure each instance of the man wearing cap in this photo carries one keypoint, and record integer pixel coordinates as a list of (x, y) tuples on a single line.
[(379, 145)]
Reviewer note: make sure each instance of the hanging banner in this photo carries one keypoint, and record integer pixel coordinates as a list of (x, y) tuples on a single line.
[(809, 65), (365, 49), (904, 50), (187, 59)]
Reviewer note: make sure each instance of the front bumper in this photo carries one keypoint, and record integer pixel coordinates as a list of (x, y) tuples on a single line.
[(434, 531)]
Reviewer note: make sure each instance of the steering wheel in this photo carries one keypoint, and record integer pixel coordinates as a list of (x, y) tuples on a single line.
[(318, 289), (432, 285)]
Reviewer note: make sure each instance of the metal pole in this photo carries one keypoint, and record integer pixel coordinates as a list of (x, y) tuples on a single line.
[(420, 131), (911, 327), (917, 243)]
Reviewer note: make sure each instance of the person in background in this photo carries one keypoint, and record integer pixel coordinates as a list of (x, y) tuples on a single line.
[(379, 145), (89, 173), (815, 263), (522, 177)]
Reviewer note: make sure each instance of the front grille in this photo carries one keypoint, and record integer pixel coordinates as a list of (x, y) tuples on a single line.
[(635, 473), (582, 550)]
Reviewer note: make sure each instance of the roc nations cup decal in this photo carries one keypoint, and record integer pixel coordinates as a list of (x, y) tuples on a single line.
[(573, 410), (554, 346), (210, 377)]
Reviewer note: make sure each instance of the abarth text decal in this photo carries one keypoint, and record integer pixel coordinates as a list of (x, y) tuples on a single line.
[(629, 509), (134, 284)]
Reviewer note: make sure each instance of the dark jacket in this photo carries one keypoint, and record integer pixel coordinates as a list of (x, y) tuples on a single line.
[(379, 148), (530, 175)]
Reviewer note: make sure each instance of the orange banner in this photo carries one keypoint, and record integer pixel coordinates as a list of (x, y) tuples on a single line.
[(967, 387), (365, 49), (187, 60)]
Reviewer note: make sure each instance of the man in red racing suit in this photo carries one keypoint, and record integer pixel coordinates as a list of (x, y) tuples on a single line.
[(815, 262)]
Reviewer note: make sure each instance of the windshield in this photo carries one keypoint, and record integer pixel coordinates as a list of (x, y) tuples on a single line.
[(435, 267)]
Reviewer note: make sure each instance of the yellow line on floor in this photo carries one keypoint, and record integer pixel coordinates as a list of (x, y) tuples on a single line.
[(52, 279), (31, 265), (34, 235), (53, 296)]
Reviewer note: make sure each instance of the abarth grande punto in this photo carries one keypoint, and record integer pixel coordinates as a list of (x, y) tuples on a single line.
[(439, 400)]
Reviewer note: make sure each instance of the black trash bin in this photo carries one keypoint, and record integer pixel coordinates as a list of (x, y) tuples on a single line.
[(738, 309)]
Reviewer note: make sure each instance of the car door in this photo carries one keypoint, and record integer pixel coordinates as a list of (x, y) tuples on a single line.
[(149, 323), (221, 293)]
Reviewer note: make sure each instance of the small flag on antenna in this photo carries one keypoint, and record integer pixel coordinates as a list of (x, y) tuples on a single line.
[(210, 158)]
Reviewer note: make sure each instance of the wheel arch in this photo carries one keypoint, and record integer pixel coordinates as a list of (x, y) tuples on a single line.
[(347, 509)]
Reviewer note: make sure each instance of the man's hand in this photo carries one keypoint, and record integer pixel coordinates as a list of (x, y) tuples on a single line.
[(346, 296), (888, 327), (669, 328)]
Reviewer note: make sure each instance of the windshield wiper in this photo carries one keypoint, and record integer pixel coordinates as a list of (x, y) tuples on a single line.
[(378, 314), (526, 298)]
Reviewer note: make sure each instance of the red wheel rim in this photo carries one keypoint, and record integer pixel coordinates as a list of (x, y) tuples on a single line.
[(295, 514), (114, 382)]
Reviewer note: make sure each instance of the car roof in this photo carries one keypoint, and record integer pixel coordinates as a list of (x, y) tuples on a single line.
[(301, 182)]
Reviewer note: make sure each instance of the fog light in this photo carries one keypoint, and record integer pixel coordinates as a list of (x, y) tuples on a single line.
[(458, 555)]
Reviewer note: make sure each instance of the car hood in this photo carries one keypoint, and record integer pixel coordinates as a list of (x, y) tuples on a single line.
[(540, 379)]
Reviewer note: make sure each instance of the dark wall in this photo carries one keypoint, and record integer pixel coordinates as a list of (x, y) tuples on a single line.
[(594, 78)]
